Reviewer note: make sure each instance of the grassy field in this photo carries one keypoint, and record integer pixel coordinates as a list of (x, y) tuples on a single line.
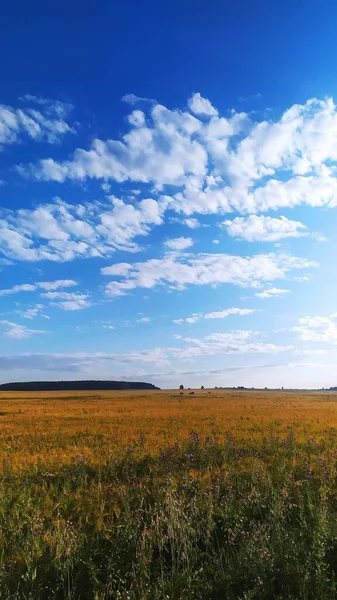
[(159, 495)]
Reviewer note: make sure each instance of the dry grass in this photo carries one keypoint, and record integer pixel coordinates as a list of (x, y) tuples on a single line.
[(220, 495), (55, 427)]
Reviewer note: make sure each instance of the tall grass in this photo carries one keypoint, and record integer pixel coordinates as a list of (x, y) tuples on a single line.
[(209, 517)]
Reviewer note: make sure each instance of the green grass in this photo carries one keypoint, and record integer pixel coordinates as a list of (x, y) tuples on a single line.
[(203, 520)]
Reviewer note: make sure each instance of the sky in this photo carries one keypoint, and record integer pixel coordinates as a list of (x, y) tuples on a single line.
[(168, 192)]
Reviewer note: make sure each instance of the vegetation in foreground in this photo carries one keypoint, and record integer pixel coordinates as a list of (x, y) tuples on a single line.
[(213, 515)]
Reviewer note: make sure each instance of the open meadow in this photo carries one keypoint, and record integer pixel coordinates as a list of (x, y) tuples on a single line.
[(216, 495)]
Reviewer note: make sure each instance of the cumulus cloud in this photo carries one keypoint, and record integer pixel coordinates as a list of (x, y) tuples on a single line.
[(47, 124), (176, 165), (35, 311), (179, 243), (192, 223), (232, 342), (52, 107), (272, 293), (62, 232), (220, 314), (180, 270), (31, 287), (163, 152), (68, 300), (264, 229), (220, 164), (318, 329), (19, 332), (303, 138), (23, 287), (201, 106), (191, 166), (56, 285), (192, 319)]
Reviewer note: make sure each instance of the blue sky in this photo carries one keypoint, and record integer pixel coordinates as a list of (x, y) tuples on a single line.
[(168, 193)]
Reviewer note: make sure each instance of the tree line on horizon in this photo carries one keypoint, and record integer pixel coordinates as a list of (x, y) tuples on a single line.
[(49, 386)]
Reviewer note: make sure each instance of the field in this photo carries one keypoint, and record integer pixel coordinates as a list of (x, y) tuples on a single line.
[(214, 495)]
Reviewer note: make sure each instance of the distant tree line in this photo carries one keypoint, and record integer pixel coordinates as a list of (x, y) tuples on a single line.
[(49, 386)]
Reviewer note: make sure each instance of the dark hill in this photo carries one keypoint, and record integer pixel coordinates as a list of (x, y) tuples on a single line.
[(49, 386)]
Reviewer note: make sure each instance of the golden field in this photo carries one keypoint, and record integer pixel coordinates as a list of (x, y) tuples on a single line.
[(158, 495), (57, 427)]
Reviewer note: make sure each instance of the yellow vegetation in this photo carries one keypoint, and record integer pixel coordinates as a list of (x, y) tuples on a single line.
[(57, 428)]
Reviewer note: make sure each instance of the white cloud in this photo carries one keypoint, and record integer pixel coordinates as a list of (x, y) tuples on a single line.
[(264, 229), (19, 332), (217, 166), (120, 269), (303, 278), (232, 342), (192, 223), (47, 124), (68, 300), (106, 187), (178, 271), (133, 99), (200, 166), (62, 232), (215, 241), (212, 198), (137, 118), (201, 106), (221, 314), (179, 243), (163, 152), (45, 285), (315, 190), (24, 287), (318, 329), (144, 320), (192, 166), (272, 293), (56, 285), (310, 351), (319, 237), (303, 138), (52, 107), (36, 311)]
